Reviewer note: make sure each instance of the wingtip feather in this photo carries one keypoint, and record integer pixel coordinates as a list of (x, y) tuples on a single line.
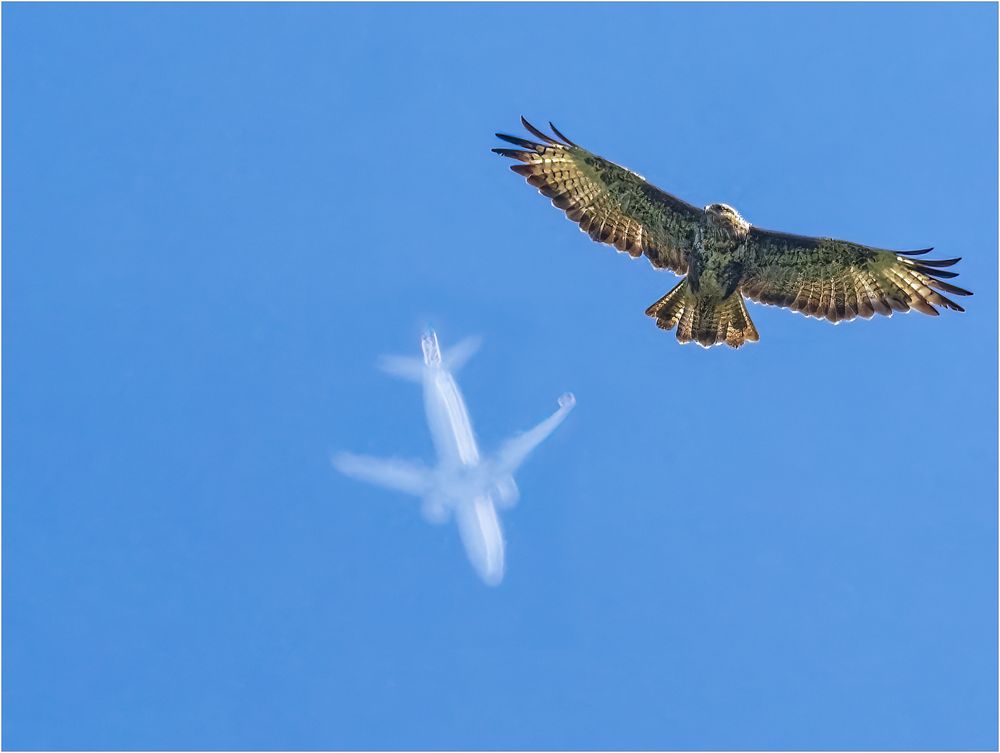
[(536, 132), (518, 141), (559, 134), (932, 272)]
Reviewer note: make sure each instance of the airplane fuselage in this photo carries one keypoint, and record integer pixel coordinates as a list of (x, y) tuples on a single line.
[(461, 488), (448, 419)]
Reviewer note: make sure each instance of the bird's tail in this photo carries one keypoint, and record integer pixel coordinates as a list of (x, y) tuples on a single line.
[(705, 320)]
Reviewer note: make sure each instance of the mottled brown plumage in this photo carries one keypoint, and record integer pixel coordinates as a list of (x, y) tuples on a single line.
[(724, 257)]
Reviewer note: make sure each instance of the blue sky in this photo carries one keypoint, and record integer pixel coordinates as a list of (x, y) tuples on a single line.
[(217, 217)]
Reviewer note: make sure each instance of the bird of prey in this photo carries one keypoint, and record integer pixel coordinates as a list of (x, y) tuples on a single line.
[(725, 258)]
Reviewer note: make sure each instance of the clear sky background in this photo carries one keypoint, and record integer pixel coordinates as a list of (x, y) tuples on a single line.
[(217, 217)]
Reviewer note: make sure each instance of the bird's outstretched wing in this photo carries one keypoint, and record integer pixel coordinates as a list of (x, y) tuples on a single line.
[(611, 204), (839, 280)]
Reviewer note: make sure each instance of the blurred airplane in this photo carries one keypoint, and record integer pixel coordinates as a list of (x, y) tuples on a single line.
[(463, 483)]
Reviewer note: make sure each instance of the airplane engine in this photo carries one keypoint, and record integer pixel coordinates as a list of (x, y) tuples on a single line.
[(506, 492), (435, 509)]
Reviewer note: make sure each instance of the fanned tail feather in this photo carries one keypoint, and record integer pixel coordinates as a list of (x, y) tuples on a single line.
[(707, 321)]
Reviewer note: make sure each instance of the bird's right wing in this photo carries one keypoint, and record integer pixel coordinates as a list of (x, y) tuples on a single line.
[(611, 204), (839, 280)]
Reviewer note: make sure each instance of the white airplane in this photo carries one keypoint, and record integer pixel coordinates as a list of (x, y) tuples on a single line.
[(463, 483)]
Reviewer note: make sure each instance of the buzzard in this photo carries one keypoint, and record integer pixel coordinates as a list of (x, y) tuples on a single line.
[(724, 257)]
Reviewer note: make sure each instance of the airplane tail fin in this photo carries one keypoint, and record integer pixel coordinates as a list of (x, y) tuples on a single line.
[(412, 369)]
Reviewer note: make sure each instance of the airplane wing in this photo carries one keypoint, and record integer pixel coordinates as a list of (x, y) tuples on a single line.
[(398, 475), (513, 452)]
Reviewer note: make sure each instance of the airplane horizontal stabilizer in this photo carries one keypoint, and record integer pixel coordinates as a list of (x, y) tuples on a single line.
[(457, 355), (403, 367)]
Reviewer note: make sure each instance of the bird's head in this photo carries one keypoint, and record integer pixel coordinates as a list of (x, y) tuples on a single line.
[(725, 219)]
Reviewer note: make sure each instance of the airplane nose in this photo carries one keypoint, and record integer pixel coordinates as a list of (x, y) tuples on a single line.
[(567, 400)]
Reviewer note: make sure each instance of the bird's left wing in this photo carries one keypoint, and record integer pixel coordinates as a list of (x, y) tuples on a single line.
[(611, 204), (839, 280)]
